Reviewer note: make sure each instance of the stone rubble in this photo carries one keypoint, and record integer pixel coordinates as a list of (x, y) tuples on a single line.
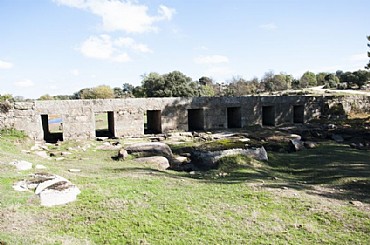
[(52, 189)]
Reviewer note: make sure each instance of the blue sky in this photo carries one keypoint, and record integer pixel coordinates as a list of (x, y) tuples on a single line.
[(61, 46)]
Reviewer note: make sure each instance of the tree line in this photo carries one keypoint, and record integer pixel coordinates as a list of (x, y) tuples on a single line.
[(177, 84)]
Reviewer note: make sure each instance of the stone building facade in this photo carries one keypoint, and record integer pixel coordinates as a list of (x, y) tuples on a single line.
[(137, 116)]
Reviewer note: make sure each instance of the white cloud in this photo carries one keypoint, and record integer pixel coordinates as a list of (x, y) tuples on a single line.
[(106, 48), (269, 26), (211, 59), (99, 47), (5, 65), (130, 43), (128, 16), (25, 83), (122, 58)]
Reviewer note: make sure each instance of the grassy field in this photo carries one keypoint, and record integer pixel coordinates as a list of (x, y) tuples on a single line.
[(297, 198)]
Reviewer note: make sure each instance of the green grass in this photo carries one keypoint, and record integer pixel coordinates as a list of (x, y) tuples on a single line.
[(124, 202)]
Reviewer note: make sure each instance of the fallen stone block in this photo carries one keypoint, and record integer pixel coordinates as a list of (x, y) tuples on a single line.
[(150, 149), (158, 162)]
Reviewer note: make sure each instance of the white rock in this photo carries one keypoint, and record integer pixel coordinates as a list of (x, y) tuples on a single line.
[(42, 154), (51, 197), (40, 166), (22, 165), (20, 186), (74, 170), (42, 186)]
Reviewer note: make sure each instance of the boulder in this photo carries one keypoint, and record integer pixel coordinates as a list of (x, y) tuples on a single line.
[(210, 159), (158, 162), (122, 154), (22, 165), (59, 194), (296, 144), (42, 154), (52, 189), (150, 149)]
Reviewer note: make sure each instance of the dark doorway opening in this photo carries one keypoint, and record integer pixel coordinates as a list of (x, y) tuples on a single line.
[(153, 122), (268, 115), (52, 126), (104, 124), (195, 119), (298, 114), (234, 117)]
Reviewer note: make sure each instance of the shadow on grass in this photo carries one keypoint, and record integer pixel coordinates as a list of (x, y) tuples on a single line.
[(343, 171)]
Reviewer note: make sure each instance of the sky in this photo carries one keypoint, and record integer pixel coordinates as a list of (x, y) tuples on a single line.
[(58, 47)]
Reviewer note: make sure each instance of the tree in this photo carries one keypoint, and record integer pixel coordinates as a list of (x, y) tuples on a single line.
[(331, 81), (103, 92), (99, 92), (368, 54), (118, 92), (46, 97), (320, 78), (173, 84), (277, 82), (362, 77), (308, 79)]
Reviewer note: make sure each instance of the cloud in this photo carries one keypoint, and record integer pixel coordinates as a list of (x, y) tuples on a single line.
[(5, 65), (128, 16), (211, 59), (130, 43), (99, 47), (25, 83), (269, 26), (104, 48)]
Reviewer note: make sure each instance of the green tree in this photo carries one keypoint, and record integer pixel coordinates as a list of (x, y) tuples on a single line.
[(118, 92), (277, 82), (368, 54), (103, 92), (362, 77), (6, 97), (308, 79), (331, 81), (173, 84), (320, 78), (46, 97)]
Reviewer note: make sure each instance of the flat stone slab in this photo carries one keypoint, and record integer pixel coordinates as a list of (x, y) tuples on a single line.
[(22, 165), (150, 149), (158, 162), (52, 189)]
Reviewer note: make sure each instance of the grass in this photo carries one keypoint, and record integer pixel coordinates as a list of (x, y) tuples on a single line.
[(283, 201)]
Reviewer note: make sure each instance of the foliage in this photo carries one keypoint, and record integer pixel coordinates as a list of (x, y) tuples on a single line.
[(331, 81), (308, 79), (46, 97), (272, 82), (357, 78), (368, 54), (320, 78), (173, 84), (99, 92), (6, 97), (239, 86)]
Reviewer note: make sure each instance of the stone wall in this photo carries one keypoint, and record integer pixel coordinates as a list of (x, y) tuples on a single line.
[(127, 116)]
